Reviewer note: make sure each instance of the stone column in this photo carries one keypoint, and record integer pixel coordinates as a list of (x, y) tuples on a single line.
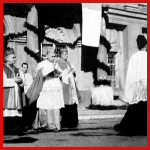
[(32, 39), (102, 53)]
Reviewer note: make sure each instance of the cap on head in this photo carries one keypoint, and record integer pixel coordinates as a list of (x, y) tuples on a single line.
[(63, 49), (9, 51), (48, 49), (141, 41)]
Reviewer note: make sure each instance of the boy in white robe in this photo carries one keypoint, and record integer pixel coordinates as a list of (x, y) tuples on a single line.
[(50, 99)]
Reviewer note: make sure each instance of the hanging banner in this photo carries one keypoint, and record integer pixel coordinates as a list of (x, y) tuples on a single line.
[(91, 23)]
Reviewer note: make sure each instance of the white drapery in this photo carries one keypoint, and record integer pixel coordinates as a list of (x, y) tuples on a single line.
[(91, 23)]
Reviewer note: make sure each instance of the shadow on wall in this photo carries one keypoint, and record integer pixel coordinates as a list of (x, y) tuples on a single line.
[(88, 58), (89, 63)]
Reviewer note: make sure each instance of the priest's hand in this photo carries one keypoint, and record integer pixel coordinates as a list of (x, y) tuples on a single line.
[(18, 80)]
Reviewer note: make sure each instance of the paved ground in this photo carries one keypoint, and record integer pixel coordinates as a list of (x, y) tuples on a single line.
[(91, 132)]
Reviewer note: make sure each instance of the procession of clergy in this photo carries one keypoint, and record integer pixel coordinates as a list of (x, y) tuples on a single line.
[(47, 102)]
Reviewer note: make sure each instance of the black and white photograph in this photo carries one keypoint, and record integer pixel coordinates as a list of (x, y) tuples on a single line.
[(75, 75)]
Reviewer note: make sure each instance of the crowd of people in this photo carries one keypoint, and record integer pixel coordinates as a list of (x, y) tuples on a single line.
[(49, 100)]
